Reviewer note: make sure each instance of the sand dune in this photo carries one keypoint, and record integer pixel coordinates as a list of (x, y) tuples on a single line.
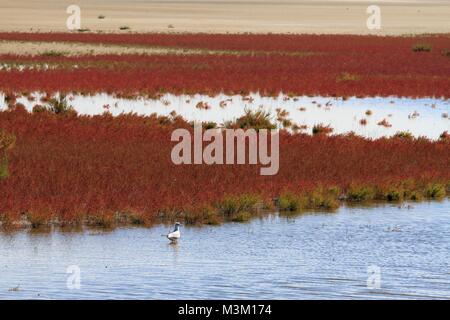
[(294, 16)]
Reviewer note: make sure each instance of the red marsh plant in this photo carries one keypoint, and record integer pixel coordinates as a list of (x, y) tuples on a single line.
[(104, 170), (382, 66), (275, 43)]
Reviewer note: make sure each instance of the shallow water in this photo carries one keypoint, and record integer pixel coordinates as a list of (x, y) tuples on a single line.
[(421, 117), (308, 256)]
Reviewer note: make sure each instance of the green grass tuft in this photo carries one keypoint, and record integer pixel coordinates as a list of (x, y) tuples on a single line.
[(421, 47)]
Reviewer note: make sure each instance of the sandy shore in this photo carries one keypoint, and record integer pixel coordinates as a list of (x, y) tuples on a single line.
[(262, 16), (75, 49)]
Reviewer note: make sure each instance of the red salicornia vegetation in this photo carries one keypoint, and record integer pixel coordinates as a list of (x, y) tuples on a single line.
[(327, 65), (103, 170)]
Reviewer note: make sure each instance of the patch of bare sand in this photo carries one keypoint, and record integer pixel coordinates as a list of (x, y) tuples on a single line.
[(220, 16), (75, 49), (55, 48)]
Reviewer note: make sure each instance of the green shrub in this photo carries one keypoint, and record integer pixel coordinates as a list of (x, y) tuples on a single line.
[(445, 136), (53, 53), (393, 195), (239, 208), (4, 172), (421, 47), (7, 141), (435, 191), (414, 195), (229, 205), (289, 202), (321, 129), (39, 108), (323, 199), (404, 135), (103, 219), (346, 76), (242, 217), (204, 214), (257, 120), (209, 125), (60, 106), (136, 218), (355, 193)]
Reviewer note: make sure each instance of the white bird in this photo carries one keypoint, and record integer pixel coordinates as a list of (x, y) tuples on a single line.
[(175, 234)]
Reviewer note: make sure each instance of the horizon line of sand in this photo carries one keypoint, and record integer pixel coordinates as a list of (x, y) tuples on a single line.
[(250, 16)]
